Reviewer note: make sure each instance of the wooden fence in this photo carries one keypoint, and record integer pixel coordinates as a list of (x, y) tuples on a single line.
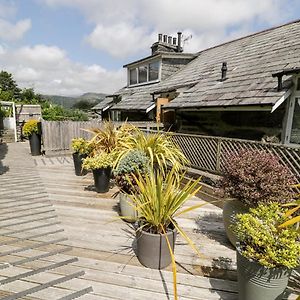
[(57, 135), (209, 153)]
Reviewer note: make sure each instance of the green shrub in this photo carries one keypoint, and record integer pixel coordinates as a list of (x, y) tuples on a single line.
[(263, 241), (30, 127), (255, 177), (101, 160), (81, 146), (135, 161)]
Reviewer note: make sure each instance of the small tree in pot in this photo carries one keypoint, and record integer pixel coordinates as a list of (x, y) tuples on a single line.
[(134, 162), (158, 203), (266, 253), (101, 165), (82, 148), (252, 177), (32, 130)]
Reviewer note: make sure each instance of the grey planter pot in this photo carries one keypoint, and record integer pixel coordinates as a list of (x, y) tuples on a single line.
[(127, 211), (256, 282), (152, 249), (230, 209)]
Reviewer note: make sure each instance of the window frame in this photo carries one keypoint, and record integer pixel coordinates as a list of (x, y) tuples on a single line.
[(136, 67)]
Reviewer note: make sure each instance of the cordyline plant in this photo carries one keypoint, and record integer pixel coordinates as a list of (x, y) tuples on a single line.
[(159, 201), (255, 177), (263, 241), (109, 138), (158, 146)]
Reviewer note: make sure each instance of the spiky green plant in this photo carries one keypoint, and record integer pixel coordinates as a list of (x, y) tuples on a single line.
[(30, 127), (160, 200), (158, 146)]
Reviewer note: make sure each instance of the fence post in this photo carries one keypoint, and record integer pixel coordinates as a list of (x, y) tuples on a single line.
[(218, 155)]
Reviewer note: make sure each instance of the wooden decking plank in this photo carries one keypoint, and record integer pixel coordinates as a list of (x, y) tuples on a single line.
[(78, 294)]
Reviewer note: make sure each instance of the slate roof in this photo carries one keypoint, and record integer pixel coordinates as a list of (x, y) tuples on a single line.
[(106, 102), (251, 61)]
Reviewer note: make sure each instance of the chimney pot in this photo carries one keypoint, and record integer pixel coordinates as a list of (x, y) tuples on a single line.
[(160, 37), (224, 71), (174, 41), (170, 40), (165, 38), (179, 48)]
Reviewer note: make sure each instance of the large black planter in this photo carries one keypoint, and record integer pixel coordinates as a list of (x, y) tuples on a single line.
[(256, 282), (35, 144), (77, 158), (101, 179), (152, 249)]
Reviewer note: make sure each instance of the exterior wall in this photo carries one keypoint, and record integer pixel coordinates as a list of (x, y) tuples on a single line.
[(251, 125), (171, 65)]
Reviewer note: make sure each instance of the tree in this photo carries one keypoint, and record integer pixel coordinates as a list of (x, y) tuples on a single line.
[(8, 84)]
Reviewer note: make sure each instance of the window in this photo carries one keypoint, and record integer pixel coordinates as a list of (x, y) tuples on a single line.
[(133, 76), (144, 73), (295, 132), (153, 71)]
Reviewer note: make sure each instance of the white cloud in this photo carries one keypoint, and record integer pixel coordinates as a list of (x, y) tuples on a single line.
[(123, 28), (49, 71), (12, 32)]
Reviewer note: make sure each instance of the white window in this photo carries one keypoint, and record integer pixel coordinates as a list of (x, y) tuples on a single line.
[(144, 73)]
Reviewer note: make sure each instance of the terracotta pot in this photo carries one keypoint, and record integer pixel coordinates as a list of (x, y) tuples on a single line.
[(152, 249), (256, 282), (232, 207)]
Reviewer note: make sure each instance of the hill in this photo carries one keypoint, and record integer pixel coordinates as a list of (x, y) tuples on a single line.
[(69, 102)]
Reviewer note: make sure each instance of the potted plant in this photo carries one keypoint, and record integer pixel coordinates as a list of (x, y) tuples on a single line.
[(82, 148), (101, 165), (158, 202), (251, 177), (266, 253), (159, 147), (32, 130), (135, 161)]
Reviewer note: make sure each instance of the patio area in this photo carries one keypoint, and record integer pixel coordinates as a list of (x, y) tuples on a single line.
[(62, 240)]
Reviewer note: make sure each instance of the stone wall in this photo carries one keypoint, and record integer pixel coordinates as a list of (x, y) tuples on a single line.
[(171, 65)]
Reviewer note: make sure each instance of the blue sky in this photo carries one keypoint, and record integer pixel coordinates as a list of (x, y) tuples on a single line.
[(69, 47)]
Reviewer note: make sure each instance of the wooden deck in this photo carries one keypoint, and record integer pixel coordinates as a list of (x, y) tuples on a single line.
[(62, 240)]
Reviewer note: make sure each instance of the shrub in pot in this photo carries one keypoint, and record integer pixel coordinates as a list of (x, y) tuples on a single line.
[(266, 252), (32, 130), (251, 177), (134, 162), (101, 166), (158, 203), (82, 148)]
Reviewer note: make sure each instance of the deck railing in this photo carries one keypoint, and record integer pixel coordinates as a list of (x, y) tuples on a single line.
[(209, 153)]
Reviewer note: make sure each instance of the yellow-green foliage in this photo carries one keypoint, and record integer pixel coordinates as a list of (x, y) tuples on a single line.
[(101, 160), (159, 147), (81, 146), (263, 241), (30, 127)]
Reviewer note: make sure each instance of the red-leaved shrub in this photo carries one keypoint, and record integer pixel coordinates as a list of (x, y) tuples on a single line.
[(255, 177)]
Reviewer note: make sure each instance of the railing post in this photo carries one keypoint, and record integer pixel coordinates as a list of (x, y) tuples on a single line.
[(218, 155)]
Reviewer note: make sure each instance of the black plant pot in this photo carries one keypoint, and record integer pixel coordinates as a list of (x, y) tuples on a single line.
[(152, 249), (101, 179), (35, 144), (77, 158)]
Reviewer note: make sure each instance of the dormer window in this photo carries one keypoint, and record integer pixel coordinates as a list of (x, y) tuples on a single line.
[(144, 73)]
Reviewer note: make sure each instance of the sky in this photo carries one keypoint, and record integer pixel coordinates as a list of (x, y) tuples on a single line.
[(69, 47)]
